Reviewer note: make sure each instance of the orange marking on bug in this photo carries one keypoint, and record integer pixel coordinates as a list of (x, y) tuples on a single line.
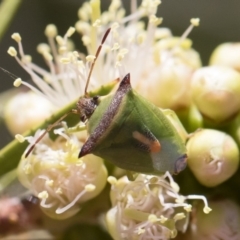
[(154, 145)]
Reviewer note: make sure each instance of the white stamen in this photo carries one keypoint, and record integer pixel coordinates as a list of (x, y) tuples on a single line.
[(43, 47), (16, 37), (12, 51), (163, 219), (97, 23), (51, 31), (206, 208), (90, 187), (90, 58), (20, 138), (70, 31), (17, 82), (43, 195), (179, 216), (49, 182), (112, 180), (27, 59), (195, 22), (60, 40)]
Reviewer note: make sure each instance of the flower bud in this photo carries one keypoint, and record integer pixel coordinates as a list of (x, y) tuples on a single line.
[(227, 54), (167, 86), (26, 110), (213, 156), (216, 92), (222, 223)]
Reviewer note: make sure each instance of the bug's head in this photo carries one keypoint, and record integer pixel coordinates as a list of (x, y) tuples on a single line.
[(86, 107)]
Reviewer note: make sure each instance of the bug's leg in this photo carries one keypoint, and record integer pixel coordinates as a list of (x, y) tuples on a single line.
[(78, 128), (131, 175), (174, 120)]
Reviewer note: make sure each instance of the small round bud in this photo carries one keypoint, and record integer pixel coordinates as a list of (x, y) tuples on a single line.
[(227, 54), (222, 223), (175, 77), (213, 156), (26, 110), (216, 92)]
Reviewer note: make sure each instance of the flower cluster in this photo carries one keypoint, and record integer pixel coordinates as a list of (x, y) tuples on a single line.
[(148, 208), (58, 178), (167, 71)]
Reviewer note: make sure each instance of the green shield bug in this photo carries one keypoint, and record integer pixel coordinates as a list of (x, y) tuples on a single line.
[(127, 130)]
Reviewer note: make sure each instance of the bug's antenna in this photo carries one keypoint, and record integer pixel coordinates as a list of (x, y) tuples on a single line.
[(49, 128), (13, 76), (96, 56)]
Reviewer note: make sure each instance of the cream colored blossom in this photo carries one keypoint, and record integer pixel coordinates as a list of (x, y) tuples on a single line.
[(150, 207), (58, 178), (155, 59)]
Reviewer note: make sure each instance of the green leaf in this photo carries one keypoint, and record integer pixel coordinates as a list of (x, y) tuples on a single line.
[(7, 11)]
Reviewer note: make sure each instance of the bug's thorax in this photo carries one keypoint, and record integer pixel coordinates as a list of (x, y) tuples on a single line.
[(86, 106)]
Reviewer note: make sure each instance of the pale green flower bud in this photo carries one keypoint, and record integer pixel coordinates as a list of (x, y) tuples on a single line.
[(227, 54), (216, 92), (169, 87), (222, 223), (195, 120), (166, 81), (213, 156), (148, 207), (26, 110), (58, 178)]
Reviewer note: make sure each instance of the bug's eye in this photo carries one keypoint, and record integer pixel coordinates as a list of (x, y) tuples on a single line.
[(181, 163), (83, 118), (96, 100)]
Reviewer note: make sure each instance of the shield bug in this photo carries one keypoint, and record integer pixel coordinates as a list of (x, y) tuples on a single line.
[(127, 130)]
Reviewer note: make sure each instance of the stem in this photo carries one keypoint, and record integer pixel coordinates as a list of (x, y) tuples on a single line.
[(7, 179), (7, 11)]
